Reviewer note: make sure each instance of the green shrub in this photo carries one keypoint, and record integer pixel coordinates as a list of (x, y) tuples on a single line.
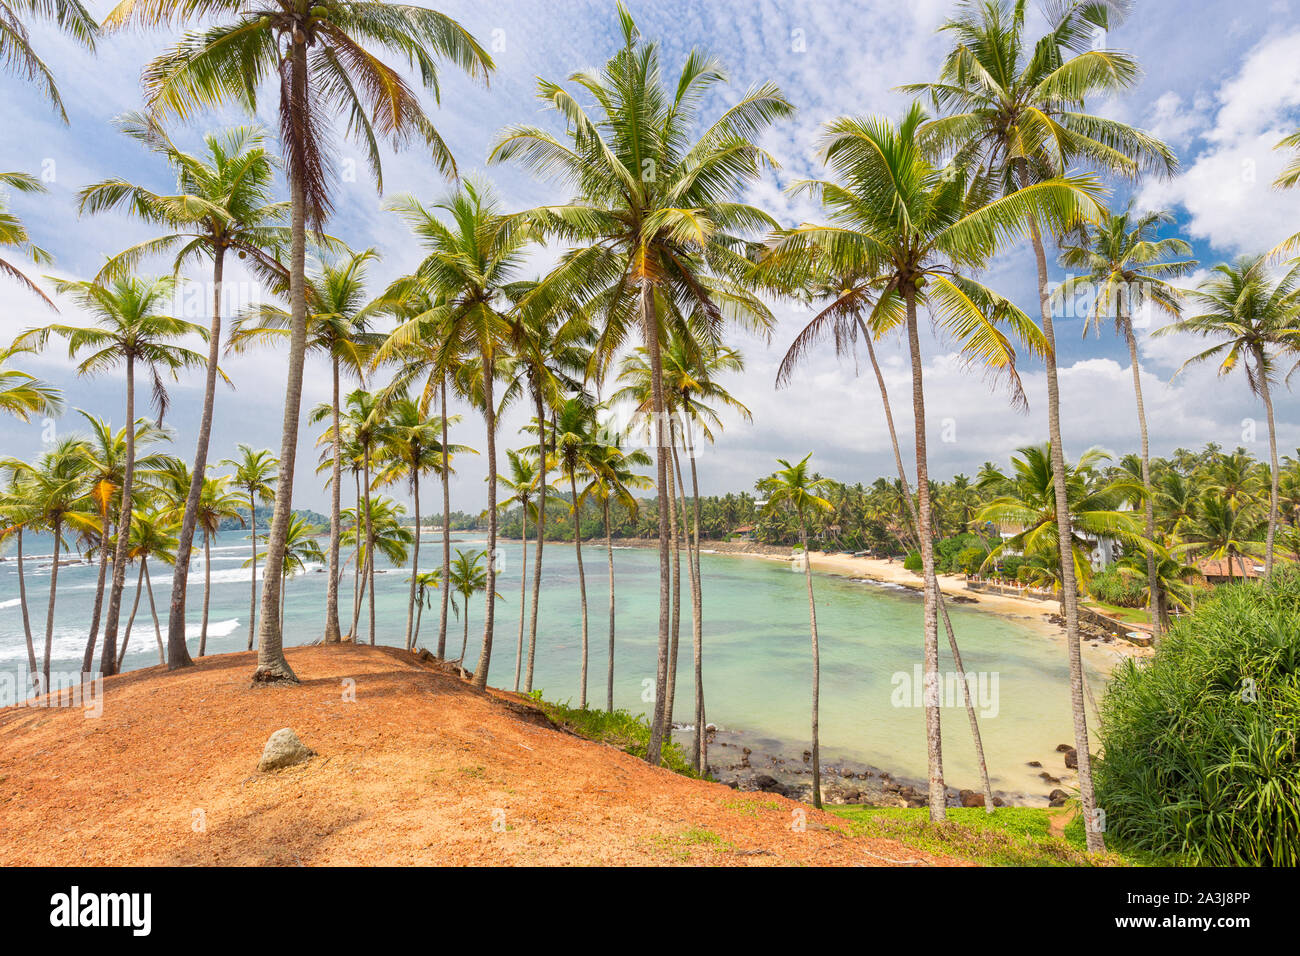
[(1121, 590), (969, 559), (622, 729), (913, 562), (1011, 566), (1200, 743)]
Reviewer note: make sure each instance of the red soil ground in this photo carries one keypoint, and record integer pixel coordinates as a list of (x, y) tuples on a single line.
[(418, 769)]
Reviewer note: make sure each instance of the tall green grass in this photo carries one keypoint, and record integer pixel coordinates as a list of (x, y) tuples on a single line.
[(1201, 742)]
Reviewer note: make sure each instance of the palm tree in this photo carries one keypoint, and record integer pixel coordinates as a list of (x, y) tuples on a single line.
[(690, 370), (52, 493), (23, 395), (364, 426), (524, 486), (338, 327), (613, 480), (1028, 502), (217, 503), (551, 350), (416, 348), (1018, 111), (222, 204), (1224, 529), (300, 547), (914, 228), (469, 265), (468, 577), (1252, 318), (651, 224), (17, 516), (425, 582), (575, 444), (105, 471), (411, 447), (130, 329), (792, 488), (69, 16), (1127, 268), (255, 475), (318, 52), (152, 536)]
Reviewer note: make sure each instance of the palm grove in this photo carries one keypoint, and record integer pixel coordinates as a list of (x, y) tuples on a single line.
[(660, 261)]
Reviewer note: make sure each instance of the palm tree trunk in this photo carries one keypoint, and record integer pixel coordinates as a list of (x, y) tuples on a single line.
[(816, 672), (650, 324), (674, 532), (252, 586), (27, 621), (271, 663), (446, 534), (357, 566), (582, 588), (1273, 470), (333, 633), (180, 573), (370, 541), (971, 717), (88, 658), (609, 552), (153, 610), (691, 579), (49, 613), (1065, 537), (697, 621), (933, 730), (415, 555), (464, 640), (130, 621), (490, 419), (523, 595), (207, 591), (1153, 580), (541, 538), (108, 658)]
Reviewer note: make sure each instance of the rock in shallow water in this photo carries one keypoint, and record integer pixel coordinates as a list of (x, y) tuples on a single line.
[(283, 749)]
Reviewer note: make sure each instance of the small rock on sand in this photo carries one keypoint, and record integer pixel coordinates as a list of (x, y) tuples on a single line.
[(283, 749)]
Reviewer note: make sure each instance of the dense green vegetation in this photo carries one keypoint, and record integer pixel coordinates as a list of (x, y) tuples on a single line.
[(618, 728), (1201, 744)]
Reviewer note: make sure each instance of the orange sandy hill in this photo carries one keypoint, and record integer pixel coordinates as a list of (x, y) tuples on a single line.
[(418, 769)]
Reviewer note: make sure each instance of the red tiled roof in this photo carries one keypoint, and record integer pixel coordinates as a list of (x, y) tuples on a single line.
[(1218, 568)]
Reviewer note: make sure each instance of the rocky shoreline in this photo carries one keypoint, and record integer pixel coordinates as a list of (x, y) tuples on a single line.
[(763, 765)]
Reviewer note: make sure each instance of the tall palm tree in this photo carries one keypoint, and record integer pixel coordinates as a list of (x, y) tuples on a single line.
[(690, 370), (472, 257), (551, 350), (1252, 318), (218, 502), (794, 489), (255, 475), (1127, 268), (918, 230), (18, 515), (652, 224), (222, 204), (338, 327), (527, 492), (573, 436), (468, 577), (105, 471), (364, 426), (69, 16), (24, 396), (1017, 109), (300, 547), (130, 330), (851, 299), (152, 536), (318, 51), (52, 492), (612, 482), (411, 447), (416, 350)]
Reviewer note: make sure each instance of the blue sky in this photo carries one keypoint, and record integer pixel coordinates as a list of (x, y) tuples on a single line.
[(1221, 84)]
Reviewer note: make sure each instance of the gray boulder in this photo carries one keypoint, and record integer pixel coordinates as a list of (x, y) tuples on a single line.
[(283, 749)]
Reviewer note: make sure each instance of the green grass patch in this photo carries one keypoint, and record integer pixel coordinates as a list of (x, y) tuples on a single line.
[(622, 729), (1011, 836), (1129, 615)]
